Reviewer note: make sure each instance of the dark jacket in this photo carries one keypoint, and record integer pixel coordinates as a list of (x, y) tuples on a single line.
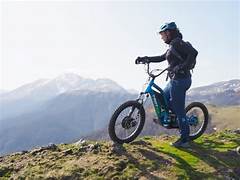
[(186, 52)]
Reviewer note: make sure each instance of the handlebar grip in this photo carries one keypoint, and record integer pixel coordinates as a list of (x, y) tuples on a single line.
[(142, 60), (137, 61)]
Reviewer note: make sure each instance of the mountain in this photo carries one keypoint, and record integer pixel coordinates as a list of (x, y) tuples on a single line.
[(29, 97), (57, 110), (47, 88), (212, 156), (221, 94)]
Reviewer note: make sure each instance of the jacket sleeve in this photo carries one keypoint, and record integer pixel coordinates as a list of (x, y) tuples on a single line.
[(155, 59), (183, 48)]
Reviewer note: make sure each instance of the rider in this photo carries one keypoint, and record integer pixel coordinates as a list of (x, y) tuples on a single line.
[(179, 73)]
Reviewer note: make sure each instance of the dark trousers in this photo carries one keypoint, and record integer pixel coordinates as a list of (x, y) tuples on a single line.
[(175, 93)]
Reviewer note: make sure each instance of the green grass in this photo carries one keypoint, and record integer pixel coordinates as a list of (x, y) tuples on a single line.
[(208, 155)]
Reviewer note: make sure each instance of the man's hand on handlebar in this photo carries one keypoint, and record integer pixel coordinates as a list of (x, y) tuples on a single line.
[(142, 60)]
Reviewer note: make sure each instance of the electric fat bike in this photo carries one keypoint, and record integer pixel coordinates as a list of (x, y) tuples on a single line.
[(128, 119)]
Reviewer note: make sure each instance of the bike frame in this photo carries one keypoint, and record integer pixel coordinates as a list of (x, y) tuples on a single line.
[(161, 108)]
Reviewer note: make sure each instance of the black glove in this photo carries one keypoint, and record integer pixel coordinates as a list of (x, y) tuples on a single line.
[(142, 60)]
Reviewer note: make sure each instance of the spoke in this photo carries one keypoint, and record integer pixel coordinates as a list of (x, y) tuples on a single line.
[(199, 114), (123, 132), (117, 124)]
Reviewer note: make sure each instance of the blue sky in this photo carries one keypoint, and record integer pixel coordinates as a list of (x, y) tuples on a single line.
[(102, 39)]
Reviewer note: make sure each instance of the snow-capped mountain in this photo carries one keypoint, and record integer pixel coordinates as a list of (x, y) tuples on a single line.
[(56, 110), (221, 93), (46, 88), (232, 85), (29, 96), (23, 91), (72, 82)]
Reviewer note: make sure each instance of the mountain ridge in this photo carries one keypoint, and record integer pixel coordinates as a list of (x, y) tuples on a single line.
[(233, 84), (225, 93)]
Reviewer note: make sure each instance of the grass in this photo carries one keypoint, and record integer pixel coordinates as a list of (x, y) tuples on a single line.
[(210, 157)]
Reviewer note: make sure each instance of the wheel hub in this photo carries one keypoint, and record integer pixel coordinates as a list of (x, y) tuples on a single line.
[(128, 122), (193, 120)]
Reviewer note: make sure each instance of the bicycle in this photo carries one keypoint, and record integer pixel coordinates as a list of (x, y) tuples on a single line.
[(133, 120)]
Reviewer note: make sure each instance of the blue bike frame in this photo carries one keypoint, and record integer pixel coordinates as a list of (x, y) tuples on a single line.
[(161, 108)]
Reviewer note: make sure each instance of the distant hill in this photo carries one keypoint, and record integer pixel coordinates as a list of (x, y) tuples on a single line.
[(212, 156), (61, 119)]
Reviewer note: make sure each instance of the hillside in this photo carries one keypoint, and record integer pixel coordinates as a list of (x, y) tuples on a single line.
[(224, 117), (212, 156)]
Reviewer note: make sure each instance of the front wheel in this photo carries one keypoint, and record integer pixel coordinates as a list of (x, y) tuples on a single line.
[(197, 115), (126, 122)]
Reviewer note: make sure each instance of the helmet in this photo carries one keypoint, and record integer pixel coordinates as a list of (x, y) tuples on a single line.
[(168, 26)]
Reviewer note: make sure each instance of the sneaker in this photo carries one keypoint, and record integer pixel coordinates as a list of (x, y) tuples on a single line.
[(180, 144)]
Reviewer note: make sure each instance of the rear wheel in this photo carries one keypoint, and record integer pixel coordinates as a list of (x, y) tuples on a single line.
[(197, 115), (126, 122)]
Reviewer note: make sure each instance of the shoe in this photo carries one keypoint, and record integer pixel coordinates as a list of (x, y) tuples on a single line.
[(180, 144)]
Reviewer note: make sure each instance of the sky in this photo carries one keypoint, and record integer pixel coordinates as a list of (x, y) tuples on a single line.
[(102, 39)]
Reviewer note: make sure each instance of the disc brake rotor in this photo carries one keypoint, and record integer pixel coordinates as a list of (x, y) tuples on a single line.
[(193, 120), (128, 122)]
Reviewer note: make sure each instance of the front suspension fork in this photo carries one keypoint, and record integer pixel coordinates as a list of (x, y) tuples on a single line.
[(142, 98)]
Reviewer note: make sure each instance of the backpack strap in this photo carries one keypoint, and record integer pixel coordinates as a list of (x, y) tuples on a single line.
[(176, 53)]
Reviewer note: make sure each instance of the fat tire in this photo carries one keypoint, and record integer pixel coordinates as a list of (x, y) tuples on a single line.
[(205, 123), (111, 126)]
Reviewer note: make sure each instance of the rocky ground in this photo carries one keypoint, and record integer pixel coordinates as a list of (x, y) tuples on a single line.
[(212, 156)]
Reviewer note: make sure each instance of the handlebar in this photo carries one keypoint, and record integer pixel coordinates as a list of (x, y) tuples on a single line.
[(150, 72)]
